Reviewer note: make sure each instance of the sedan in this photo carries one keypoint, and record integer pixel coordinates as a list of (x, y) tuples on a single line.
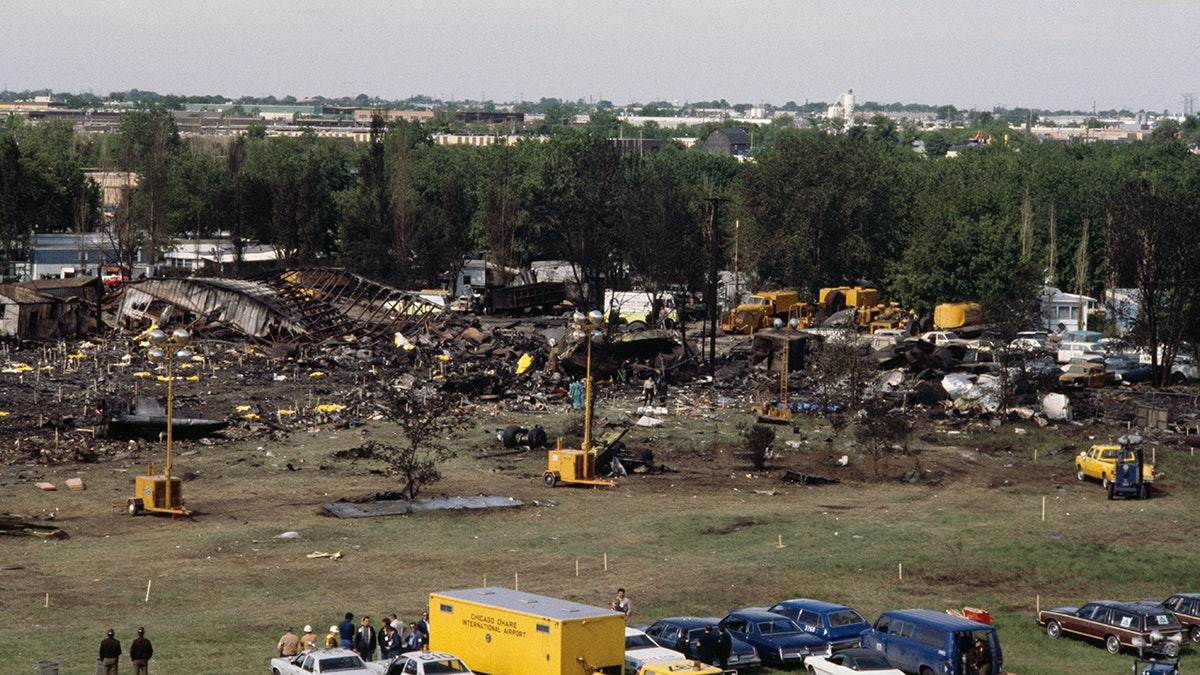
[(837, 625), (640, 650), (426, 663), (332, 660), (1126, 370), (681, 632), (1186, 607), (778, 639), (850, 661), (1142, 625), (1084, 375)]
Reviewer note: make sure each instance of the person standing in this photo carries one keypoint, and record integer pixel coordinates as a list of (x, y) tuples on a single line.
[(110, 653), (346, 631), (333, 638), (621, 603), (389, 642), (648, 390), (706, 646), (423, 626), (308, 640), (365, 640), (289, 643), (140, 651), (724, 646), (415, 638)]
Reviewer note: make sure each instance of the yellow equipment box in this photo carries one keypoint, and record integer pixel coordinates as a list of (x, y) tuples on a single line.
[(497, 631)]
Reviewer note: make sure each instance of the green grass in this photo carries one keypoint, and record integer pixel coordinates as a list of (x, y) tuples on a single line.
[(700, 540)]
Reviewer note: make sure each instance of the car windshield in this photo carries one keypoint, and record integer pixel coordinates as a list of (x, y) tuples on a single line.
[(341, 663), (871, 663), (780, 625), (638, 642)]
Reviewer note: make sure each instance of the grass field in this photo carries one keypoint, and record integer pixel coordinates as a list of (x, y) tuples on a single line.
[(988, 527)]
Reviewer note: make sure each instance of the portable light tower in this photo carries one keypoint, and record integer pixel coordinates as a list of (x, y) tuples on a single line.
[(568, 465), (163, 493)]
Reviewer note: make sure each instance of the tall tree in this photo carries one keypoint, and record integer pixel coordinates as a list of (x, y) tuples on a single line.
[(1145, 229), (150, 139)]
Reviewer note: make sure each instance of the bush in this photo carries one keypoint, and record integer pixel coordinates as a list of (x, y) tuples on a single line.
[(758, 439)]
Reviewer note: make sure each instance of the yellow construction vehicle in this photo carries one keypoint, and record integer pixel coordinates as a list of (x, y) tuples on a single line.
[(761, 309)]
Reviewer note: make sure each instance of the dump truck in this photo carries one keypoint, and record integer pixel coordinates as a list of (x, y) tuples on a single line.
[(762, 308), (498, 631)]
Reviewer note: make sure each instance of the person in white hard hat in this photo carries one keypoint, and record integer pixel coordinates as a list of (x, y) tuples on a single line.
[(309, 639)]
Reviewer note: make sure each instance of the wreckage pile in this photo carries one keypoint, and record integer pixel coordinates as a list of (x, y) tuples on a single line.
[(305, 348)]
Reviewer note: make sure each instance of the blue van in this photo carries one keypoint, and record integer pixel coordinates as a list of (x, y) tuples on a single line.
[(925, 642)]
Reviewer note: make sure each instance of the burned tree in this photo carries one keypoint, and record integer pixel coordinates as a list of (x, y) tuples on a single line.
[(424, 423), (883, 433)]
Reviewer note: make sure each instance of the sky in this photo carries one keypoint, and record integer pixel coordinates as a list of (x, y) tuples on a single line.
[(1044, 54)]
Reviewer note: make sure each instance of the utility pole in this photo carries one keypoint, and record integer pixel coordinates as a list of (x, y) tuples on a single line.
[(710, 299)]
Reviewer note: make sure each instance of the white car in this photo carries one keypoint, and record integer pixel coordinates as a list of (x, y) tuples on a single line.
[(849, 662), (332, 660), (426, 663), (940, 338), (640, 650)]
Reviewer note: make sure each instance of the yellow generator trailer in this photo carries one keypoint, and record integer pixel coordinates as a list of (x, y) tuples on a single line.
[(498, 631)]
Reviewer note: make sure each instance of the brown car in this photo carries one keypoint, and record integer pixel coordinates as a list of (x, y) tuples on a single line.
[(1186, 607), (1144, 625)]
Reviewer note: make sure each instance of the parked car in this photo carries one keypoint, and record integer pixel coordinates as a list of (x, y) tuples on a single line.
[(681, 632), (1127, 370), (333, 660), (1143, 625), (777, 638), (1079, 375), (683, 667), (940, 338), (926, 641), (1069, 350), (837, 625), (426, 663), (850, 661), (1186, 607), (640, 650), (1027, 344), (1100, 463)]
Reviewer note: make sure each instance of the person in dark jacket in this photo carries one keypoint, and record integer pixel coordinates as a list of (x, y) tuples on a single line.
[(706, 646), (365, 640), (724, 647), (110, 653), (140, 651), (346, 631)]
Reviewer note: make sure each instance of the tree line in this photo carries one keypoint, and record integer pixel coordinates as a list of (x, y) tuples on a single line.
[(815, 207)]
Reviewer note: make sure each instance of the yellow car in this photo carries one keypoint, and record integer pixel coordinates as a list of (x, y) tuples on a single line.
[(1100, 462), (682, 667)]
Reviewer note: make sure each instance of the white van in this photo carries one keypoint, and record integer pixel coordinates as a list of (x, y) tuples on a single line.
[(1087, 350)]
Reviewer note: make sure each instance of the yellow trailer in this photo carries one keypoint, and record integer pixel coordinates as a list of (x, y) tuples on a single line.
[(497, 631)]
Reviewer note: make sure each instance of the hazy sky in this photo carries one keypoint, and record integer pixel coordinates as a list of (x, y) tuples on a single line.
[(1016, 53)]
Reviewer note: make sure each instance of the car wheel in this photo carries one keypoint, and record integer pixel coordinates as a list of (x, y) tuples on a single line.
[(1171, 650), (1079, 474), (1111, 491), (135, 507), (926, 671), (1053, 629), (1194, 633), (636, 326), (549, 479), (1112, 645), (1105, 480)]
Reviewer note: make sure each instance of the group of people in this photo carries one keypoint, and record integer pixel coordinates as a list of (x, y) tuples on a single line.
[(390, 640), (713, 648), (140, 652)]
